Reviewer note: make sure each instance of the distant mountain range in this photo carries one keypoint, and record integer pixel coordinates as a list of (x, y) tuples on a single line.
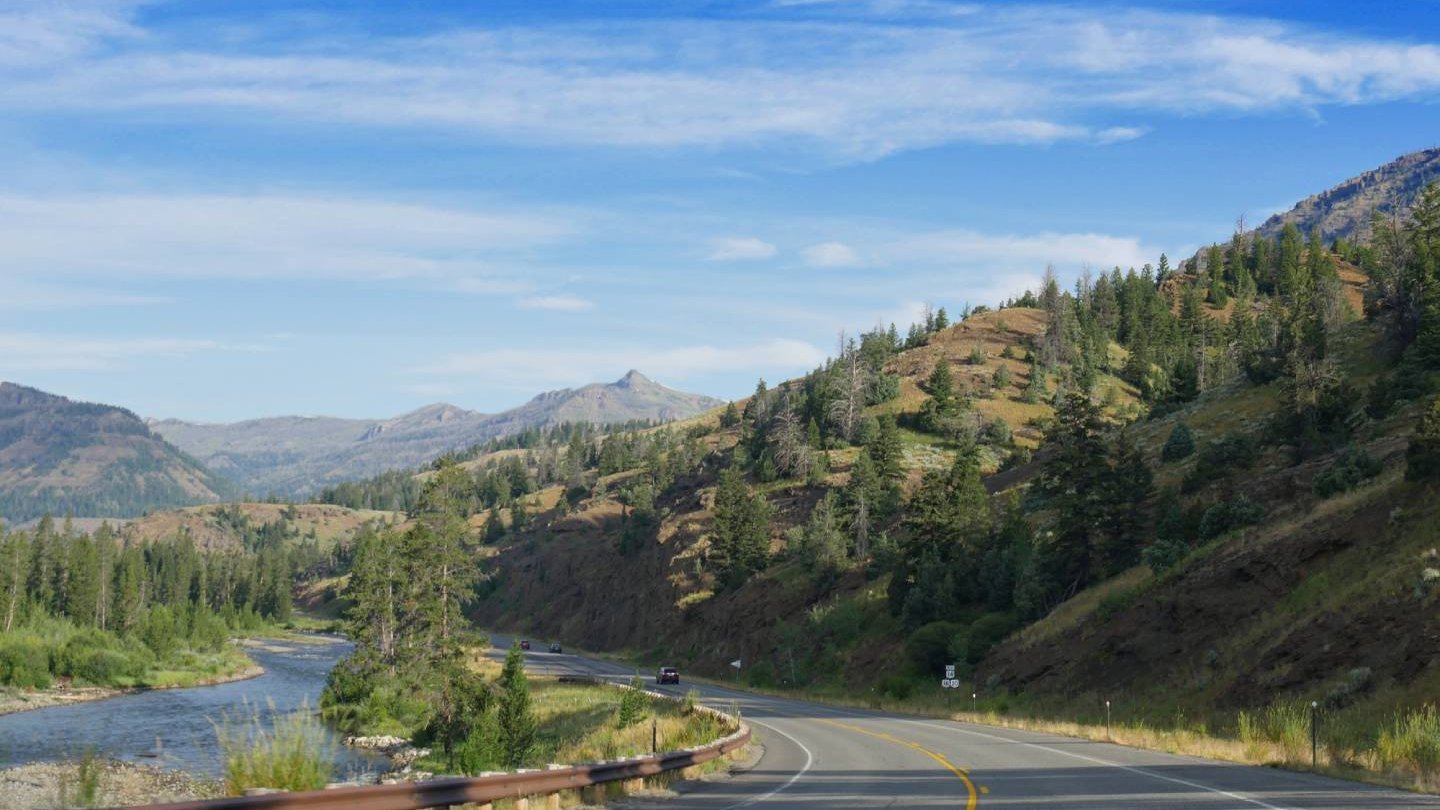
[(67, 457), (296, 456), (1345, 210)]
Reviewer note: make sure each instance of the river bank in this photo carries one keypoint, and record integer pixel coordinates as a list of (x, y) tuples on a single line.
[(46, 785), (24, 700), (176, 729)]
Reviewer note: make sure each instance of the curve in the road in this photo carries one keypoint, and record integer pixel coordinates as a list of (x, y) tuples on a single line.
[(831, 757)]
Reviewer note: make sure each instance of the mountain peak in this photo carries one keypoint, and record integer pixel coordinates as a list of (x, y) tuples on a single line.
[(633, 379)]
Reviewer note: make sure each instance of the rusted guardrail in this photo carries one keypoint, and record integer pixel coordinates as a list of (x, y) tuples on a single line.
[(479, 789)]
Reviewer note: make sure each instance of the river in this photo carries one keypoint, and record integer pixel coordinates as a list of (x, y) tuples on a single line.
[(175, 728)]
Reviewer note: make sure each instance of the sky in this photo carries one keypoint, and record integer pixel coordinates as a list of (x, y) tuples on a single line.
[(220, 211)]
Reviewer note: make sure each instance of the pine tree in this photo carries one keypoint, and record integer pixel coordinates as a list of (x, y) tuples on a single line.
[(518, 729), (14, 559), (741, 538), (888, 450), (1073, 481), (82, 581), (730, 417), (1180, 445)]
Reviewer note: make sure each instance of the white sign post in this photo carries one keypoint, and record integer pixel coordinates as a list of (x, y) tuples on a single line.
[(736, 665)]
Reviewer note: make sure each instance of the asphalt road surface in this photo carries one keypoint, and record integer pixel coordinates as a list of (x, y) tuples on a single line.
[(821, 756)]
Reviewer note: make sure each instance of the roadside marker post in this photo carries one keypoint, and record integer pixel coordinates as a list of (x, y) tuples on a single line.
[(1314, 734), (975, 703), (1108, 735)]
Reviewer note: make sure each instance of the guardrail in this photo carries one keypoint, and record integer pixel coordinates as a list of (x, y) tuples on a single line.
[(480, 789)]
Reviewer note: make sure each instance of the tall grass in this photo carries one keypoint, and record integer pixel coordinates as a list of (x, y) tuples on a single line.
[(290, 752), (1412, 743), (83, 789)]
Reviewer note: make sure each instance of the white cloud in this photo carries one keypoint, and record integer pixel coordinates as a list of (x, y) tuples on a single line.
[(559, 303), (830, 254), (534, 369), (858, 88), (24, 352), (261, 236), (23, 294), (1002, 252), (740, 248)]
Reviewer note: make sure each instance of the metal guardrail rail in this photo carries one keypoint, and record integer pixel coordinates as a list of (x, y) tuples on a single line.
[(479, 789)]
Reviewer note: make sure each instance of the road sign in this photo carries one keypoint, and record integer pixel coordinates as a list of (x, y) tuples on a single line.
[(949, 671), (735, 663), (950, 683)]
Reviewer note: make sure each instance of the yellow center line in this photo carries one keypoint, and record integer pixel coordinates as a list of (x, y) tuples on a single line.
[(960, 773)]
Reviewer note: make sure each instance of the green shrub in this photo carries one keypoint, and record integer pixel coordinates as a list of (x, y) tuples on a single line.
[(632, 704), (986, 632), (1180, 445), (1220, 458), (1348, 471), (896, 686), (929, 646), (1422, 459), (24, 662), (1229, 515)]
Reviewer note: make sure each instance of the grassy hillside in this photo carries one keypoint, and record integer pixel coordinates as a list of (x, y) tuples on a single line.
[(218, 527), (565, 576)]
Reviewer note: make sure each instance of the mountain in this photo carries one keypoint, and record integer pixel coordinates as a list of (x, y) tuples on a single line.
[(1344, 211), (295, 456), (89, 460)]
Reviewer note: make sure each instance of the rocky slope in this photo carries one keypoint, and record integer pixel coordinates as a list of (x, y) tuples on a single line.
[(295, 456), (89, 460), (1345, 210)]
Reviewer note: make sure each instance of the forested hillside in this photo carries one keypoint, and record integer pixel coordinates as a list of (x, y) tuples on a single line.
[(77, 458), (889, 507)]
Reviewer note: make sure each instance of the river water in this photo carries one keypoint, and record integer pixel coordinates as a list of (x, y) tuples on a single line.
[(175, 728)]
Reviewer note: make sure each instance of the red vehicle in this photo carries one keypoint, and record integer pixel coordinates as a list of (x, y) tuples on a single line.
[(524, 643), (667, 675)]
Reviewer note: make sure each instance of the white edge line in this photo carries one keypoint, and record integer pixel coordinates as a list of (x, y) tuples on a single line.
[(809, 760), (1143, 772)]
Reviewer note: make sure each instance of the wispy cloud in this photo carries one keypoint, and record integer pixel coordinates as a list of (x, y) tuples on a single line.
[(558, 303), (26, 352), (857, 87), (23, 294), (740, 248), (830, 254), (534, 369), (261, 236)]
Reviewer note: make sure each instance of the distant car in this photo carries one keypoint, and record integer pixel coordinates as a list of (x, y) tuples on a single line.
[(555, 647), (667, 675), (524, 643)]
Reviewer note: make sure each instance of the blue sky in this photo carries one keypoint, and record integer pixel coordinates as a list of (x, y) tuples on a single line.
[(217, 211)]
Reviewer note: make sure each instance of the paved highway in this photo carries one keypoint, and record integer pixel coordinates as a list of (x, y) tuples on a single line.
[(820, 756)]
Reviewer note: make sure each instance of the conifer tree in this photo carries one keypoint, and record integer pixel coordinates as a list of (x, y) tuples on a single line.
[(518, 729)]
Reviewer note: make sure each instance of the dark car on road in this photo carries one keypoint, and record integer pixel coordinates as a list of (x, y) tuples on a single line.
[(555, 648), (667, 675), (524, 643)]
